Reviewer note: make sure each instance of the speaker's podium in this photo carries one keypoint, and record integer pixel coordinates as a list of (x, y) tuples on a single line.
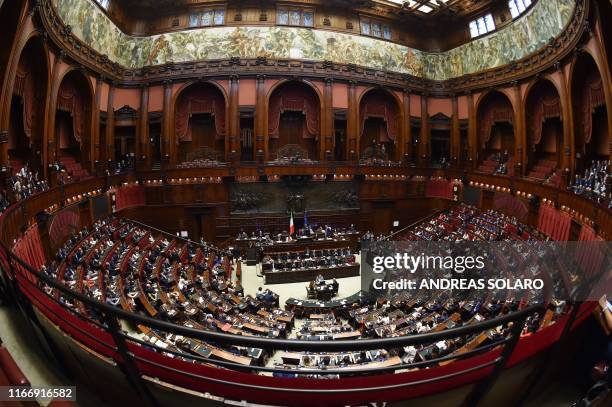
[(252, 255)]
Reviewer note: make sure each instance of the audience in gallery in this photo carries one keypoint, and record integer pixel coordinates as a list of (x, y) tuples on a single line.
[(502, 166), (466, 223), (553, 179), (20, 186), (444, 162), (376, 155), (200, 163), (125, 163), (292, 160), (596, 183)]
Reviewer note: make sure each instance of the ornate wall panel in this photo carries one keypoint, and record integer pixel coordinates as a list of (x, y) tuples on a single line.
[(280, 197), (530, 33)]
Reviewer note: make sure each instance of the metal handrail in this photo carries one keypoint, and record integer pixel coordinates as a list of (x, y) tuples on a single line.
[(237, 366), (272, 343), (130, 361)]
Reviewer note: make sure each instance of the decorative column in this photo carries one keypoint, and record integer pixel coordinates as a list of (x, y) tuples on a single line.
[(352, 124), (567, 156), (143, 151), (4, 159), (455, 133), (96, 125), (87, 149), (520, 134), (261, 139), (405, 147), (50, 148), (233, 120), (472, 132), (327, 122), (167, 125), (109, 138), (425, 134)]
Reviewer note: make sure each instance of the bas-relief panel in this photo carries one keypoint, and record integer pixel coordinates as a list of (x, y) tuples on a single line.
[(277, 197), (530, 32)]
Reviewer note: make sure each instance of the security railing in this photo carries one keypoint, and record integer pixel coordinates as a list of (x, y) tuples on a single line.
[(18, 280)]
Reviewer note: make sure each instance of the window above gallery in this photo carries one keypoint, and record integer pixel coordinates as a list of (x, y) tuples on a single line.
[(103, 3), (482, 25), (207, 17), (375, 28), (296, 16), (518, 7)]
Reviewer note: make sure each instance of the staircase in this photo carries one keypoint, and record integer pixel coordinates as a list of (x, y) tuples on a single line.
[(488, 166), (156, 166), (542, 170), (74, 169), (555, 181)]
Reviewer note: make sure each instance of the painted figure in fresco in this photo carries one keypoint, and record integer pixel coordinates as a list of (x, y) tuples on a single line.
[(456, 68), (161, 51), (529, 33), (413, 62), (310, 44), (237, 44)]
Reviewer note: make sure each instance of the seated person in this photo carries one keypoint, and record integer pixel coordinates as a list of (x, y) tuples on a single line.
[(335, 286)]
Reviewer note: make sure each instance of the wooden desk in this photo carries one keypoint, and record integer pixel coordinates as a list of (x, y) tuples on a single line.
[(230, 357), (471, 345), (255, 328), (395, 360), (304, 275), (320, 309), (291, 358), (453, 319), (347, 240), (347, 335)]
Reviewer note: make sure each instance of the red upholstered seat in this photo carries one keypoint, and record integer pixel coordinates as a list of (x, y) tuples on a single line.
[(10, 368), (74, 169)]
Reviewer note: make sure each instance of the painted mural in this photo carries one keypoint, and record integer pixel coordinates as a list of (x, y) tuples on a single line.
[(532, 31)]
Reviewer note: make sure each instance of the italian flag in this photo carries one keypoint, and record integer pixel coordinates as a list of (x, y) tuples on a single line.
[(291, 225)]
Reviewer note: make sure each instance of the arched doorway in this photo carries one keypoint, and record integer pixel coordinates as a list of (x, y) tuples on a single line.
[(379, 125), (73, 124), (340, 138), (294, 129), (591, 140), (440, 140), (10, 13), (496, 134), (544, 145), (200, 124), (27, 114)]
